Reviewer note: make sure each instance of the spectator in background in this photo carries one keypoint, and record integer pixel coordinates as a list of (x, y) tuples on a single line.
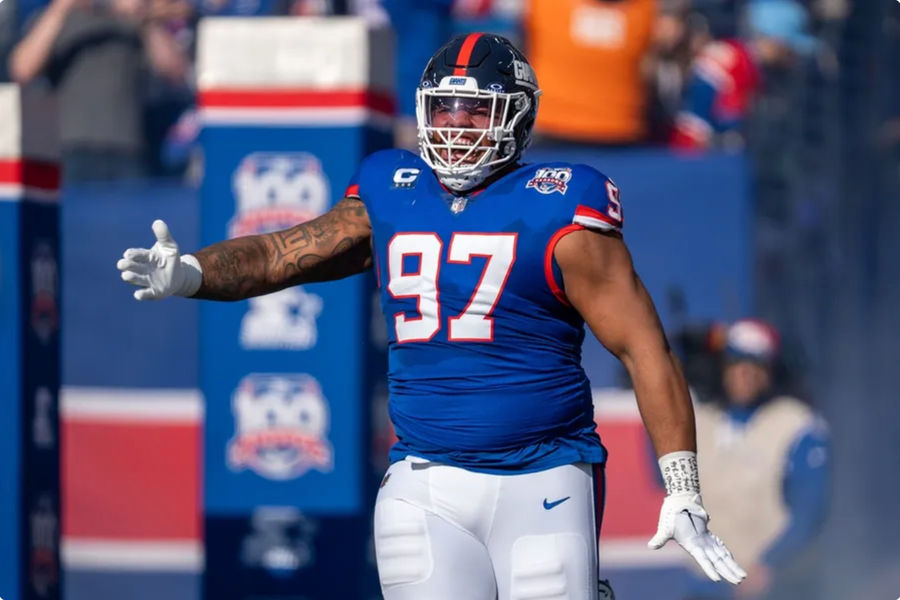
[(728, 73), (174, 138), (590, 57), (167, 99), (237, 8), (674, 43), (763, 460), (717, 97), (93, 52), (298, 8)]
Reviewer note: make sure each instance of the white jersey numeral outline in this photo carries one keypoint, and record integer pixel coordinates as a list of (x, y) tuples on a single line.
[(474, 323), (421, 285), (614, 210)]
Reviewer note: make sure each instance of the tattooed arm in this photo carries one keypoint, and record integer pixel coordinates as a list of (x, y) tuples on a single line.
[(333, 246)]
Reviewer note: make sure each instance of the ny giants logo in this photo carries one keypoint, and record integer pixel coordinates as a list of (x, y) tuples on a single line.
[(524, 74), (550, 179)]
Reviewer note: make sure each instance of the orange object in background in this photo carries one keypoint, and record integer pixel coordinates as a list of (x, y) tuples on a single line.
[(587, 55)]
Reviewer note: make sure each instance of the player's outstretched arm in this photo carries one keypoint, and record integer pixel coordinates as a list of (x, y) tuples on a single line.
[(602, 285), (332, 246)]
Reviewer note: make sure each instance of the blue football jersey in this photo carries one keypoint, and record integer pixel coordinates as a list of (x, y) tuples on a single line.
[(484, 348)]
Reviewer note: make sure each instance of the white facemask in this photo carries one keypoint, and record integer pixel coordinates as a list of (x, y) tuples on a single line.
[(482, 140)]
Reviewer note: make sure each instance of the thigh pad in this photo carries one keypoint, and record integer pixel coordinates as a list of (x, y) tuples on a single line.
[(401, 543), (551, 567)]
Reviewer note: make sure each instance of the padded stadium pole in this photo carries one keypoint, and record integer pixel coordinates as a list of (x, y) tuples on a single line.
[(289, 108), (29, 346)]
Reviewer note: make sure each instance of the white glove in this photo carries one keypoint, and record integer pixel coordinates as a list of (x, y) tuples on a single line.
[(684, 519), (160, 272)]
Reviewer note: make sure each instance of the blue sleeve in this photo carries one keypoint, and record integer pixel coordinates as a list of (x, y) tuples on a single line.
[(806, 485), (358, 182), (352, 189), (381, 172), (598, 205)]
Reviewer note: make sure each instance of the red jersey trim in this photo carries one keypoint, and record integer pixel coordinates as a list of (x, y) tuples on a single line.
[(548, 261), (586, 211)]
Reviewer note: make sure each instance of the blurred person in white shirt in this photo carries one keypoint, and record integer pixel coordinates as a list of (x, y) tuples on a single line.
[(764, 461)]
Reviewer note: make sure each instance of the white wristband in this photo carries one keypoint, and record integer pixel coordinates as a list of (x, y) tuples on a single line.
[(679, 471), (193, 275)]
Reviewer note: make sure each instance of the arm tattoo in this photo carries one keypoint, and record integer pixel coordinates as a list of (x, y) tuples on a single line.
[(332, 246)]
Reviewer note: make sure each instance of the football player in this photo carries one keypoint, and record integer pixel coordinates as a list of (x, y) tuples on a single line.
[(489, 268)]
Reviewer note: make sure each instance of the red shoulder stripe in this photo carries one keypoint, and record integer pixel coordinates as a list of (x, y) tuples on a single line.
[(586, 211)]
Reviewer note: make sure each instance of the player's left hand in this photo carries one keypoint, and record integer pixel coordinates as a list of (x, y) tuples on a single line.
[(684, 519)]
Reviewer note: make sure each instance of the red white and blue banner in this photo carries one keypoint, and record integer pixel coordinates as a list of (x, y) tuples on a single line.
[(288, 377)]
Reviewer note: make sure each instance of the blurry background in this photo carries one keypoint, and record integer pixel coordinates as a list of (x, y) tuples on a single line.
[(757, 146)]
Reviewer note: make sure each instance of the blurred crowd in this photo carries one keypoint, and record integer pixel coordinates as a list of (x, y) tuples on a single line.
[(683, 73)]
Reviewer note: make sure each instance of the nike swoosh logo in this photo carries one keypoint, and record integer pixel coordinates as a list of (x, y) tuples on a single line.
[(549, 505), (691, 517)]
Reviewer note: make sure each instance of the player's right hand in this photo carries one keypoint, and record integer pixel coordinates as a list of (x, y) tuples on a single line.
[(160, 271)]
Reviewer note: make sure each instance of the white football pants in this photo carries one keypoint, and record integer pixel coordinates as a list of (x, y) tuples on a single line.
[(445, 533)]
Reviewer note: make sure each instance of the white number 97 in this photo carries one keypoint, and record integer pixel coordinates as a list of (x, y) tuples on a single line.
[(475, 323)]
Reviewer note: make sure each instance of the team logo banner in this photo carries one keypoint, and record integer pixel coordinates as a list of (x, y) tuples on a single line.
[(44, 283), (282, 540), (275, 191), (281, 425), (284, 320), (44, 547)]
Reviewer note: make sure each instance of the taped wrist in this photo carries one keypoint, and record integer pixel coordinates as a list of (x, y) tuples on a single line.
[(679, 471), (193, 275)]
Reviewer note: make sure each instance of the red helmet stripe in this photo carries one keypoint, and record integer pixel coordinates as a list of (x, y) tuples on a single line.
[(465, 53)]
